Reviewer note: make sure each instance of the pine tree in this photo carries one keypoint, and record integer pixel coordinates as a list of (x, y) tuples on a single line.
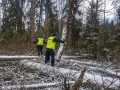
[(12, 22)]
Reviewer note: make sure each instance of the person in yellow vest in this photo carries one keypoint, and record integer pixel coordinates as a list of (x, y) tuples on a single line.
[(40, 42), (50, 47)]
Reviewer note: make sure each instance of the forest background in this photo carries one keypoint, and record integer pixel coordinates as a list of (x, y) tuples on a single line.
[(89, 30)]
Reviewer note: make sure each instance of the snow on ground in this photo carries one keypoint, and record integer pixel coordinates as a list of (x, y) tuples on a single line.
[(97, 72)]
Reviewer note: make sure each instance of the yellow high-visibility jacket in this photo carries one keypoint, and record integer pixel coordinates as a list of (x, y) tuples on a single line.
[(50, 43), (40, 41)]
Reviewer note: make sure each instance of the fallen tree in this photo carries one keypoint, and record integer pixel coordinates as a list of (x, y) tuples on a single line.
[(17, 57), (33, 86), (21, 57), (72, 74), (46, 68)]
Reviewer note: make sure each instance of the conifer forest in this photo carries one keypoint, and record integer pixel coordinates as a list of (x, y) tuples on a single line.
[(89, 61)]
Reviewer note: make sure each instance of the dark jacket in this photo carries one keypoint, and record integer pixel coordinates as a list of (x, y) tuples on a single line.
[(58, 40), (55, 40)]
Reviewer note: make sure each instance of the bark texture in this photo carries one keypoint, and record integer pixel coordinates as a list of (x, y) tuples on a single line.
[(79, 81)]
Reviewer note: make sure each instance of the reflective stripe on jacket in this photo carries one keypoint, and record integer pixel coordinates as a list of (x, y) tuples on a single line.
[(50, 43), (40, 41)]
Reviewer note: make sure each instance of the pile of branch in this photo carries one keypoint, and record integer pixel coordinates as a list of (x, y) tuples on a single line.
[(43, 67)]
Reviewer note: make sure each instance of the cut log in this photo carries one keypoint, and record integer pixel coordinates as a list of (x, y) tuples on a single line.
[(18, 57), (33, 86), (45, 68), (65, 72)]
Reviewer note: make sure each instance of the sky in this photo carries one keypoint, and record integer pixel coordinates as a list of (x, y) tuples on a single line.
[(110, 9)]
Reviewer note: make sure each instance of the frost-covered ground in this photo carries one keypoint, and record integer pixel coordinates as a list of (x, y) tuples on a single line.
[(13, 76)]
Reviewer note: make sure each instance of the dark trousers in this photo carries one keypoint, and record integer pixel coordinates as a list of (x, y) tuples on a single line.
[(50, 54), (39, 49)]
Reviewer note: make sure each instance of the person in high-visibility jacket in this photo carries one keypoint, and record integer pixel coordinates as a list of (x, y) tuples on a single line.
[(40, 42), (50, 47)]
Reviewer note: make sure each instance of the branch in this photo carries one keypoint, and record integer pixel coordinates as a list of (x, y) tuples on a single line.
[(79, 81), (32, 86)]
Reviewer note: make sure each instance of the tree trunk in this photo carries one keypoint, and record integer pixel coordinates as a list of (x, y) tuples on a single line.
[(20, 57), (64, 31), (77, 76), (45, 67), (32, 20), (46, 26), (33, 86)]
